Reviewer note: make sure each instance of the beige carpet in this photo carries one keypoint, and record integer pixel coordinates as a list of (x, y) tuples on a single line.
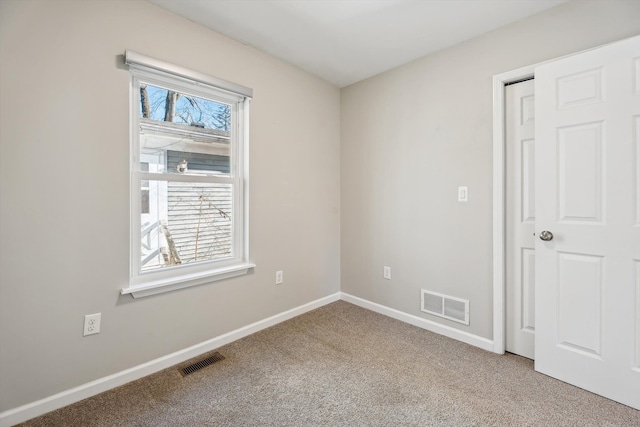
[(342, 365)]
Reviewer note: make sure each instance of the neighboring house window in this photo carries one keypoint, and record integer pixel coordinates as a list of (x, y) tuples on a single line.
[(144, 187), (189, 144)]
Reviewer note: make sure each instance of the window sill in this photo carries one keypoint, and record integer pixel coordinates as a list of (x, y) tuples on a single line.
[(174, 283)]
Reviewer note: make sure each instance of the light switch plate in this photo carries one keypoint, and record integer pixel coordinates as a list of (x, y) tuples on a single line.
[(463, 194)]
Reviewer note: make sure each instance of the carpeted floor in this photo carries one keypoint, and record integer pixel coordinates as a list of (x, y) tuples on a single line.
[(341, 365)]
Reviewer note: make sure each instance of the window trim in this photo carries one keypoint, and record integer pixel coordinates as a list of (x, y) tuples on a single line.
[(135, 59), (150, 70)]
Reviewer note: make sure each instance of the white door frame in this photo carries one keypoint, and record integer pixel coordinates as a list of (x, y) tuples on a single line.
[(499, 219)]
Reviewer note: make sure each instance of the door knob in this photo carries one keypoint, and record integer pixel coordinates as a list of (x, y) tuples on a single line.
[(546, 235)]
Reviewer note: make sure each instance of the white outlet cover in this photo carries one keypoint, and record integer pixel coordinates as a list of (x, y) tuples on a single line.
[(91, 324), (387, 273), (279, 277)]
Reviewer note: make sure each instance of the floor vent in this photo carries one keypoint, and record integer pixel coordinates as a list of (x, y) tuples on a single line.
[(440, 305), (215, 357)]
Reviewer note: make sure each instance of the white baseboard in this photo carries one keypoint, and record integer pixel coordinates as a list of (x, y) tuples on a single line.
[(59, 400), (67, 397), (438, 328)]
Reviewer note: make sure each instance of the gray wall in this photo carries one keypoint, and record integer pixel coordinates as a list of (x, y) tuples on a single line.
[(64, 214), (411, 136)]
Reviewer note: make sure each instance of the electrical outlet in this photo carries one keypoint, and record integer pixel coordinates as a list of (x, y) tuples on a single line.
[(279, 277), (387, 273), (91, 324)]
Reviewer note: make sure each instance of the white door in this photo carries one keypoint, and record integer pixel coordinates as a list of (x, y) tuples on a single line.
[(520, 217), (588, 196)]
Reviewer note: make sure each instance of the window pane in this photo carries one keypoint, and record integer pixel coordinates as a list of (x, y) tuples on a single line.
[(187, 223), (164, 105), (185, 134)]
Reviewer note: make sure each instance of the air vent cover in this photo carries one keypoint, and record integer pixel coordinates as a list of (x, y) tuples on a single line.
[(194, 367), (445, 306)]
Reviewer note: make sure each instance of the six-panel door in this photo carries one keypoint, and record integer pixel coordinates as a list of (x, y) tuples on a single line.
[(587, 195)]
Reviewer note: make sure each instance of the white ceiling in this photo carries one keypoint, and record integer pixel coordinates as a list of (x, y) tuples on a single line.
[(344, 41)]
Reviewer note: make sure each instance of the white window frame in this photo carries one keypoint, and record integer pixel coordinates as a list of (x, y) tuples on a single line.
[(163, 74)]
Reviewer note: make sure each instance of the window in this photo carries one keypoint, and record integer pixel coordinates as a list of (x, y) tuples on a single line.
[(188, 177)]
